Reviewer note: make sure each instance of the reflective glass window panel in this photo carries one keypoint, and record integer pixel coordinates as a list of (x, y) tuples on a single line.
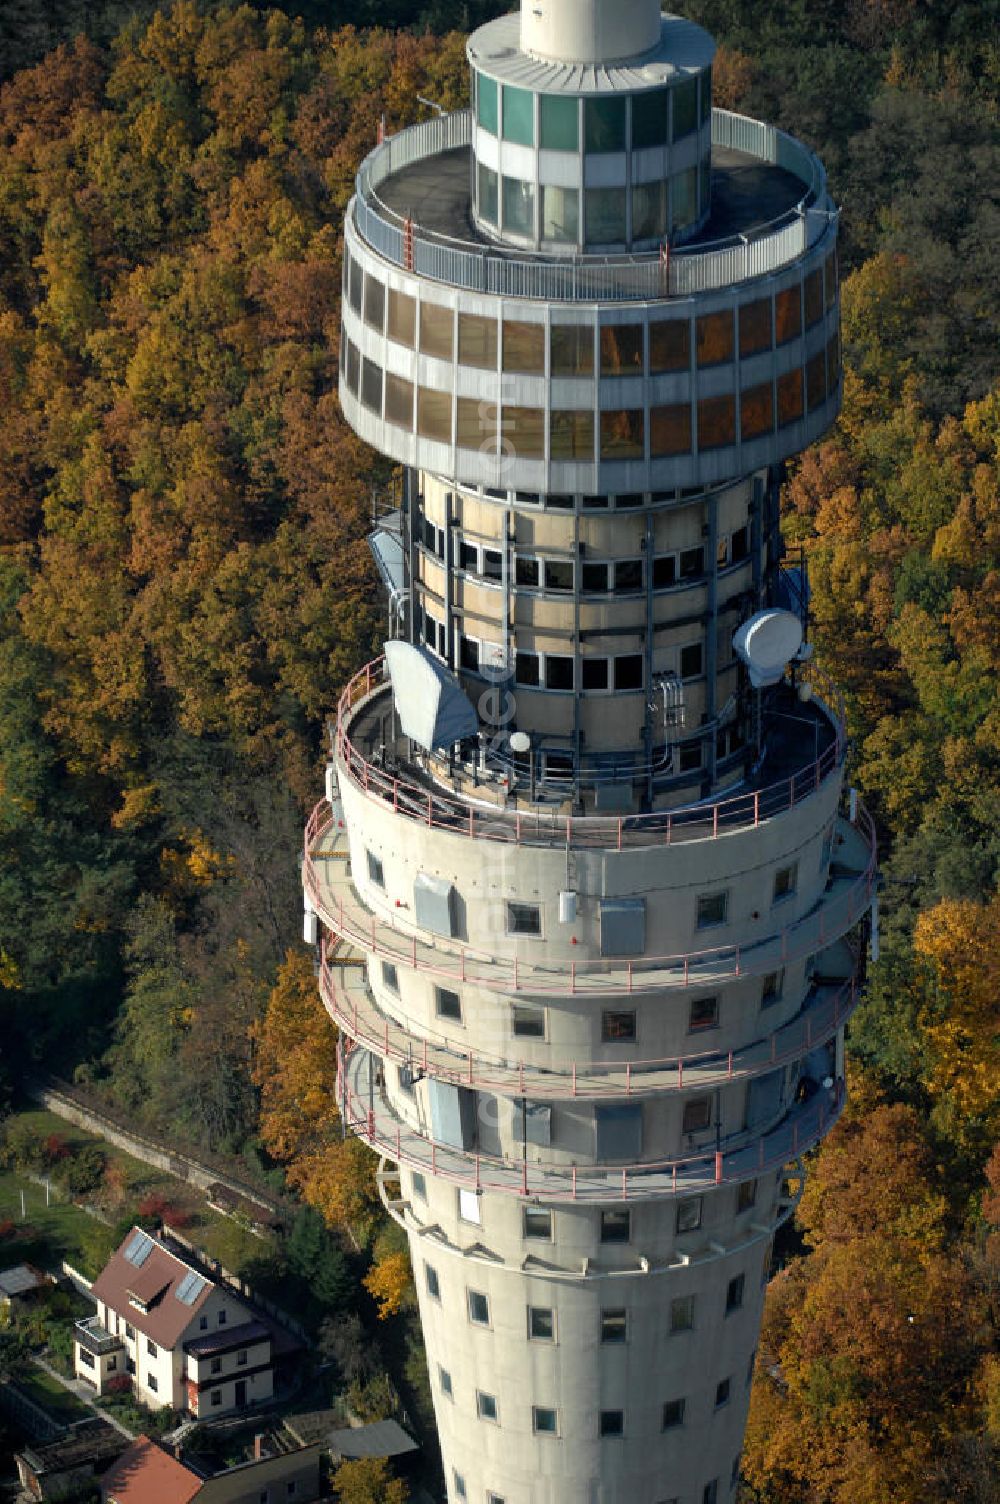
[(714, 338), (697, 1115), (523, 433), (684, 195), (353, 367), (621, 350), (604, 123), (787, 315), (486, 103), (830, 278), (685, 108), (526, 573), (704, 1014), (816, 381), (650, 118), (477, 341), (518, 116), (605, 216), (739, 544), (689, 1214), (371, 385), (756, 411), (616, 1226), (374, 303), (560, 123), (682, 1307), (469, 654), (716, 422), (541, 1324), (670, 430), (526, 669), (478, 425), (833, 364), (519, 207), (537, 1223), (594, 673), (628, 671), (402, 318), (572, 434), (612, 1423), (560, 214), (623, 434), (356, 281), (492, 564), (673, 1414), (664, 572), (434, 415), (572, 347), (755, 327), (669, 345), (558, 672), (558, 574), (617, 1028), (692, 563), (628, 575), (690, 661), (437, 330), (489, 189), (527, 1022), (814, 297), (649, 211), (705, 94), (594, 579), (614, 1326), (789, 397), (524, 347)]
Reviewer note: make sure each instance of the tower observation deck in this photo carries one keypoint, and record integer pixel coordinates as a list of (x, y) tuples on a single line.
[(589, 906)]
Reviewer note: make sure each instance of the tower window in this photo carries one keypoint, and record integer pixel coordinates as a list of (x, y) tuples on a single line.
[(479, 1308), (628, 671), (616, 1226), (433, 1283), (770, 989), (527, 1022), (486, 1406), (673, 1414), (524, 919), (704, 1014), (722, 1390), (697, 1115), (376, 873), (558, 672), (712, 909), (617, 1028), (537, 1223), (734, 1293), (689, 1214), (614, 1326), (448, 1004), (691, 661), (682, 1313), (541, 1324), (612, 1423), (544, 1422), (746, 1195), (784, 882), (444, 1379), (390, 977)]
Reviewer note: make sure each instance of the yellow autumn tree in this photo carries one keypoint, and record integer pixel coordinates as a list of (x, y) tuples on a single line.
[(957, 938), (369, 1480), (390, 1283)]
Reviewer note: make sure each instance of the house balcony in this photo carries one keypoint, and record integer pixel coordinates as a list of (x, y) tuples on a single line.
[(92, 1335)]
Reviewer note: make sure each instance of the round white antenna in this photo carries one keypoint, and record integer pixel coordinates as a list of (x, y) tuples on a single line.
[(520, 741), (767, 643)]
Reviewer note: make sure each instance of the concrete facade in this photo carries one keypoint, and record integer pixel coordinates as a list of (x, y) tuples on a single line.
[(591, 967)]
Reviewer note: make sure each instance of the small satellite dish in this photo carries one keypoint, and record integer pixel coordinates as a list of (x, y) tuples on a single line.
[(767, 643), (520, 741)]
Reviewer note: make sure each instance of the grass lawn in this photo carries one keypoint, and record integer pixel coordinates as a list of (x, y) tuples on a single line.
[(48, 1234), (45, 1391)]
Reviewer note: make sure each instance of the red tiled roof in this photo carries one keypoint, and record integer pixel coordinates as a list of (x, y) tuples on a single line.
[(144, 1473), (155, 1281)]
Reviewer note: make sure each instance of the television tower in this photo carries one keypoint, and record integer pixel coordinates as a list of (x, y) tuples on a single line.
[(589, 906)]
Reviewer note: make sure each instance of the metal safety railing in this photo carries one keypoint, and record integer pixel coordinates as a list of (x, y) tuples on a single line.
[(435, 808), (481, 267)]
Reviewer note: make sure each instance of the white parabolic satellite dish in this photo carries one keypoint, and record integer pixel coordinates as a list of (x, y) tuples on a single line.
[(766, 644)]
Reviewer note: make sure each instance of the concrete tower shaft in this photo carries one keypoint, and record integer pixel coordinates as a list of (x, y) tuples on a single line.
[(588, 908), (589, 31)]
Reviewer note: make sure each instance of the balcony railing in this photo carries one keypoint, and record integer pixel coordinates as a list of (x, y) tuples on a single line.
[(437, 809), (334, 898), (375, 1121), (95, 1337), (689, 270), (356, 1014)]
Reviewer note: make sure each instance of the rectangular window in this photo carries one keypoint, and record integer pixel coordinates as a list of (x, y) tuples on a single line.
[(479, 1308), (618, 1133), (669, 346), (612, 1423), (746, 1195), (572, 349), (670, 429), (437, 330), (697, 1115), (684, 196), (398, 401), (526, 669), (371, 385), (704, 1014), (722, 1391), (750, 1367), (87, 1359), (241, 1357), (691, 661), (543, 1421), (621, 350), (734, 1293), (816, 381), (522, 433), (130, 1332), (673, 1414), (689, 1214), (402, 318), (469, 1208), (714, 338), (784, 882), (830, 278), (524, 919), (376, 872), (153, 1384), (814, 297), (614, 1326), (390, 977), (356, 285), (617, 1028), (713, 908), (459, 1482), (524, 347), (519, 207), (526, 572), (755, 327), (604, 124), (489, 194), (486, 1406), (222, 1318), (770, 988), (495, 1498), (616, 1226), (215, 1366), (353, 367), (649, 211), (571, 434), (434, 415), (790, 406), (710, 1493), (537, 1223), (682, 1313), (418, 1185), (664, 572), (628, 672), (594, 579), (739, 545), (527, 1022), (558, 672), (374, 303), (560, 213), (541, 1324), (650, 118), (594, 672), (448, 1004), (560, 123), (787, 315), (518, 116), (756, 411), (692, 563), (444, 1379), (716, 422), (487, 113), (151, 1347), (478, 341), (492, 564), (628, 576)]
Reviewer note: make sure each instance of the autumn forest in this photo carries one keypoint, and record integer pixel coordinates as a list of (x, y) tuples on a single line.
[(185, 587)]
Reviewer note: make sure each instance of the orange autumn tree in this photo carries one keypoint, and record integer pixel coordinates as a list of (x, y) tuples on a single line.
[(295, 1067), (369, 1480)]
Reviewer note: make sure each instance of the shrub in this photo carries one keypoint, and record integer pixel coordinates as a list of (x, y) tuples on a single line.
[(83, 1171)]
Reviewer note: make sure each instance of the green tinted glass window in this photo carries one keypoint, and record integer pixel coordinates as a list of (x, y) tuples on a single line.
[(560, 123), (649, 211), (685, 108), (486, 103), (518, 116), (488, 191), (518, 207), (605, 216), (560, 213), (651, 118), (604, 124)]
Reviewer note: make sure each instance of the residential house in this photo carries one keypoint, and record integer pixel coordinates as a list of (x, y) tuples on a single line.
[(147, 1472)]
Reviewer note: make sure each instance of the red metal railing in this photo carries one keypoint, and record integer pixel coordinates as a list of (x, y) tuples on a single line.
[(384, 1131), (436, 1055), (436, 808), (834, 917)]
